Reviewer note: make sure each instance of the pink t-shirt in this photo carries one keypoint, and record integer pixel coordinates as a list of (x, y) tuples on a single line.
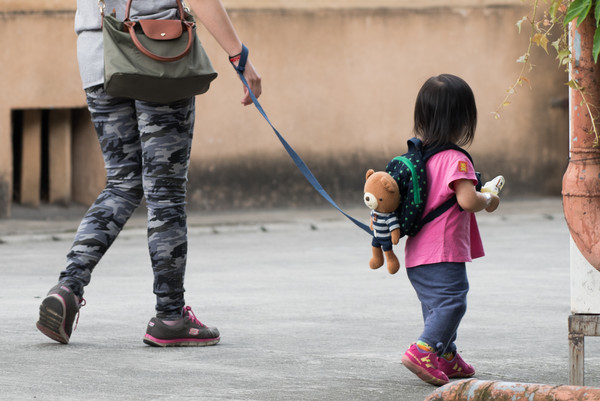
[(453, 236)]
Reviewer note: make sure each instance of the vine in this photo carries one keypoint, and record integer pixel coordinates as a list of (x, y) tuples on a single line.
[(554, 22)]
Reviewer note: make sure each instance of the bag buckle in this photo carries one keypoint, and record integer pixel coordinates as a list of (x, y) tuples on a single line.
[(101, 7)]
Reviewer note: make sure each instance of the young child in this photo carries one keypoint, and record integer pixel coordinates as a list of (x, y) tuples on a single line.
[(445, 113)]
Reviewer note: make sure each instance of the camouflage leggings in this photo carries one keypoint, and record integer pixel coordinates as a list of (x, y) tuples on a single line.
[(146, 149)]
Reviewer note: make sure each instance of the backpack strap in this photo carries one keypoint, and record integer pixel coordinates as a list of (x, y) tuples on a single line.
[(437, 212), (441, 209), (415, 144)]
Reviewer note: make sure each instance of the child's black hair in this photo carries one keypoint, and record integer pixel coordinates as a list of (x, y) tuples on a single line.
[(445, 112)]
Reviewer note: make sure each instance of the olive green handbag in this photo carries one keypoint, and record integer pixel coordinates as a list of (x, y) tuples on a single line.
[(158, 61)]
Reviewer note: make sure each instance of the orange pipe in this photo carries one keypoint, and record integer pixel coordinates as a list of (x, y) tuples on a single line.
[(482, 390), (581, 182)]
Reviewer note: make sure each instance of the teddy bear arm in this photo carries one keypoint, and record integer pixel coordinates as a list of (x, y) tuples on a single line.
[(395, 236)]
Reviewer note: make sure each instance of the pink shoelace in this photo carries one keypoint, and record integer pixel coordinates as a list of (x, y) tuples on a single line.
[(191, 316)]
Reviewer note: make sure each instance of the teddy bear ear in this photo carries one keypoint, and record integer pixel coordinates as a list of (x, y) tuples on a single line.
[(388, 185), (370, 172)]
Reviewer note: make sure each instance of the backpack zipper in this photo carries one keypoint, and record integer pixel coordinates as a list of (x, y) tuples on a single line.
[(415, 180)]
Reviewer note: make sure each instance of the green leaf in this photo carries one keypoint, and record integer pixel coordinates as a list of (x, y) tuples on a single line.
[(523, 59), (552, 10), (596, 48), (597, 12), (578, 9), (563, 57), (541, 40), (520, 22)]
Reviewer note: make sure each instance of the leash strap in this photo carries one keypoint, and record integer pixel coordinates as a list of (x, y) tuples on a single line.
[(295, 157)]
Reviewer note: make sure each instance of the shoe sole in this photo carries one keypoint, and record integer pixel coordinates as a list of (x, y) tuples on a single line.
[(52, 318), (180, 342), (422, 373)]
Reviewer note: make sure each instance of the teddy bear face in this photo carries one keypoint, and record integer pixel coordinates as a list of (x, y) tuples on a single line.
[(381, 192)]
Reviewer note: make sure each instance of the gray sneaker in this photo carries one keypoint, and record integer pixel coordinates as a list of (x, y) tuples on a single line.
[(189, 332), (57, 313)]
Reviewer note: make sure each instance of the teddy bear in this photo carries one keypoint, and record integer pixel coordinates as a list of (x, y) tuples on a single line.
[(382, 196)]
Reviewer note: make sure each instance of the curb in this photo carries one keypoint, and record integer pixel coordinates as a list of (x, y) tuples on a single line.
[(483, 390), (193, 230)]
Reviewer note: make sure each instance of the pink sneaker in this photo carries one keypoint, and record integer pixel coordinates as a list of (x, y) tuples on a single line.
[(456, 368), (424, 365)]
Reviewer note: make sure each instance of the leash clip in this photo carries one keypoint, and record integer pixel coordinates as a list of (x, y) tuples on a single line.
[(101, 7)]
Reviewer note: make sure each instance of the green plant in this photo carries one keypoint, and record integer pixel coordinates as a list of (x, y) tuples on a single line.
[(551, 28), (580, 9)]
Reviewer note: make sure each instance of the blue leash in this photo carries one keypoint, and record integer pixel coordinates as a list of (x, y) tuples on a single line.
[(297, 159)]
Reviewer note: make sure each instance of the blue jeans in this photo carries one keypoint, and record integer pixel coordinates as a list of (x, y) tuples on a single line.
[(146, 150), (442, 289)]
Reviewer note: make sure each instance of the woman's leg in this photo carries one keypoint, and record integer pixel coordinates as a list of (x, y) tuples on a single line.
[(442, 289), (166, 137), (116, 126)]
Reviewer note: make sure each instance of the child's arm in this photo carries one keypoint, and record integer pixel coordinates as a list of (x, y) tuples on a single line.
[(471, 200)]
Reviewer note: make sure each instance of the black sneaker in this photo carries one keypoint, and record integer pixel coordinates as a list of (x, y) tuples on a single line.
[(189, 332), (57, 313)]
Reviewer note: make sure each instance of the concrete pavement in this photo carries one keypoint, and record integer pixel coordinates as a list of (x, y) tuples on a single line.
[(302, 316)]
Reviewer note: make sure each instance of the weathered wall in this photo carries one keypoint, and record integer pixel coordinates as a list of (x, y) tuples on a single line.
[(39, 71), (341, 84), (340, 80)]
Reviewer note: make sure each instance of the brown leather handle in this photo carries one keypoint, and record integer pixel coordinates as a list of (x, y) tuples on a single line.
[(189, 26), (179, 6)]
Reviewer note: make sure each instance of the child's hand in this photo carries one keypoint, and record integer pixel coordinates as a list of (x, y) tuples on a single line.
[(492, 189), (471, 200), (494, 202)]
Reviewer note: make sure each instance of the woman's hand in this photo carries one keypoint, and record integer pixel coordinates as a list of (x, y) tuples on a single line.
[(254, 82), (215, 19)]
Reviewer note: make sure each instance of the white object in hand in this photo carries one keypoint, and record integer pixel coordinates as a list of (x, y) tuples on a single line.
[(494, 186)]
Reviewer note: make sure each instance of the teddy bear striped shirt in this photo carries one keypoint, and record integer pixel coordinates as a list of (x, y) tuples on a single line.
[(384, 224)]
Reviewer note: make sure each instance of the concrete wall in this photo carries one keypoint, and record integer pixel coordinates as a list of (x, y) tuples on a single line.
[(340, 79)]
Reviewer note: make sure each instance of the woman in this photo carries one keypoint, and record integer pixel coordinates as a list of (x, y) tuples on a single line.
[(146, 150)]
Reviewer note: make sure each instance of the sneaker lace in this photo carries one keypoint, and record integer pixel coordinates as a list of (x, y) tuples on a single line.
[(191, 316), (81, 304)]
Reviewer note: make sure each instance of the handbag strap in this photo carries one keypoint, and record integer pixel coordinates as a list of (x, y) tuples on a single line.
[(295, 157), (130, 25), (179, 7)]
